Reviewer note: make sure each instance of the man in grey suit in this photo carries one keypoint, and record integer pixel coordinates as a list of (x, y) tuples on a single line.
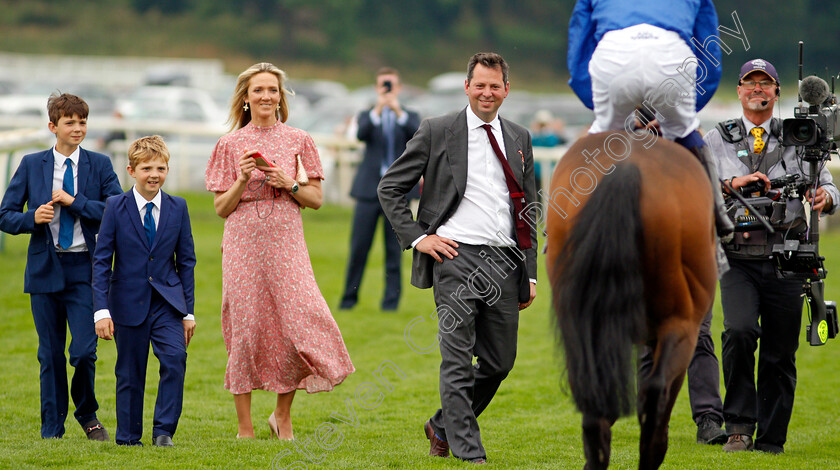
[(470, 245)]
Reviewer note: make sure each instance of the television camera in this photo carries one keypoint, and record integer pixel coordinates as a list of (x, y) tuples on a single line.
[(815, 131)]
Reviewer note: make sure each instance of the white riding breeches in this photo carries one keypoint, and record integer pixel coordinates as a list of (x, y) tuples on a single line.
[(644, 65)]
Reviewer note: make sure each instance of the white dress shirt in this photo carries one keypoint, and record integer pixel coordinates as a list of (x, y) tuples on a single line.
[(141, 208), (483, 216), (58, 183)]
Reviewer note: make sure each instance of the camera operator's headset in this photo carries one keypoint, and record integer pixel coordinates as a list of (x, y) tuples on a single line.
[(734, 132)]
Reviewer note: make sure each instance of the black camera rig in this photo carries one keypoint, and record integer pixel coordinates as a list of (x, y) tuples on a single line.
[(814, 130)]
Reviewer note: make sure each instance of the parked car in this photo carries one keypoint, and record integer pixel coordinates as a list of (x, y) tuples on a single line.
[(30, 99), (171, 104), (6, 86), (316, 90)]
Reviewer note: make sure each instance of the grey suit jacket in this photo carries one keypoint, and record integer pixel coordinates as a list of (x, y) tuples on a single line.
[(438, 153)]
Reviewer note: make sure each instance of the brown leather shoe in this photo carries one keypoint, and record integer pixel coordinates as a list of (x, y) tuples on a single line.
[(95, 431), (437, 447), (738, 443)]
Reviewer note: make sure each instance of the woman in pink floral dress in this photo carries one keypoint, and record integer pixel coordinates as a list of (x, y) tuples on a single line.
[(279, 333)]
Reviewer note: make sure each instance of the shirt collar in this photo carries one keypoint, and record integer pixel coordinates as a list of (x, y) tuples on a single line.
[(475, 122), (141, 201), (60, 159), (748, 125)]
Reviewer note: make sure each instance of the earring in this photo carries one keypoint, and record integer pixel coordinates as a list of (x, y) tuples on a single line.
[(278, 107), (245, 107)]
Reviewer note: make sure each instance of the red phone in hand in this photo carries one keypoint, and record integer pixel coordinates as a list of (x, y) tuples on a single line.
[(261, 161)]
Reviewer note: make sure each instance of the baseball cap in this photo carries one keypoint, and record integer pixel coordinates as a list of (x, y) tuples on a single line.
[(758, 65), (543, 116)]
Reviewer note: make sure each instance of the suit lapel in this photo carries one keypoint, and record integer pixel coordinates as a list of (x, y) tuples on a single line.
[(456, 151), (165, 210), (48, 167), (43, 195), (84, 171), (513, 151), (129, 207)]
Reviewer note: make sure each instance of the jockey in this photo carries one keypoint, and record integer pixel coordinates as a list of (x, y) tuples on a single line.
[(653, 54)]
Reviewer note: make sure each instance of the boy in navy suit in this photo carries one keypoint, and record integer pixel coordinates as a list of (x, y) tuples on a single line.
[(150, 294), (64, 191)]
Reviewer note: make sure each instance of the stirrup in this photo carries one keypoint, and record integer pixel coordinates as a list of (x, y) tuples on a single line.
[(723, 224)]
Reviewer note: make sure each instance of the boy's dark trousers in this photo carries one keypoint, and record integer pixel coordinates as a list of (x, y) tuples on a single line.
[(164, 329), (52, 314)]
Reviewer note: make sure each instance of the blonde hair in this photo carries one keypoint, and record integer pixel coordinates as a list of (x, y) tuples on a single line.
[(238, 116), (147, 148)]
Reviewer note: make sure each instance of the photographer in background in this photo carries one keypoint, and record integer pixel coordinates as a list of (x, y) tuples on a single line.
[(384, 129), (746, 150)]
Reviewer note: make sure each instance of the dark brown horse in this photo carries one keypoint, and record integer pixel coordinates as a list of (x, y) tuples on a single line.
[(630, 257)]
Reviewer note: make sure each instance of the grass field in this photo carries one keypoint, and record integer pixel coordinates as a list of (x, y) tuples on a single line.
[(531, 424)]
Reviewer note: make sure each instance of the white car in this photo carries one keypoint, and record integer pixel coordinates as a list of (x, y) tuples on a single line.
[(169, 103), (23, 111)]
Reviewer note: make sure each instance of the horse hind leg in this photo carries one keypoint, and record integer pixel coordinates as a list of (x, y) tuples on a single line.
[(650, 400), (597, 436), (657, 395), (653, 443)]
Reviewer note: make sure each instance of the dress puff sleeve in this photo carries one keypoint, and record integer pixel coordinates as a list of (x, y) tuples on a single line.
[(310, 159), (221, 170)]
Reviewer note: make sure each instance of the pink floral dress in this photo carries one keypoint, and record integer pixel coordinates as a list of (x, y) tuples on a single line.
[(278, 330)]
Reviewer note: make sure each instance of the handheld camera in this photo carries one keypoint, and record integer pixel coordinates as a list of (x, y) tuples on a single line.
[(814, 131)]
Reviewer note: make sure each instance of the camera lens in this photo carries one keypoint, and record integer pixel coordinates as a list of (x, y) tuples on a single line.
[(802, 133)]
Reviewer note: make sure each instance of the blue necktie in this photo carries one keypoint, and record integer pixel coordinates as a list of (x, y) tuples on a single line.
[(388, 118), (149, 223), (65, 219)]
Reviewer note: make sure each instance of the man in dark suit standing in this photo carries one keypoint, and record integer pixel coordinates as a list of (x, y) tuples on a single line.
[(471, 245), (384, 129)]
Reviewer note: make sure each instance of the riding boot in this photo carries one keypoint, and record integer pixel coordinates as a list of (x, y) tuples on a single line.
[(698, 147), (722, 221)]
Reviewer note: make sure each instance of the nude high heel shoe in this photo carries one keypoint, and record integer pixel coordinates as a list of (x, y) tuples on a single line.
[(275, 431)]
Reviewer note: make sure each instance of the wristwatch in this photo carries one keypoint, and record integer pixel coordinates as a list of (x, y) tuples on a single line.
[(295, 187)]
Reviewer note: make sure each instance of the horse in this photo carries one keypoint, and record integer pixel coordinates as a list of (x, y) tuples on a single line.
[(630, 255)]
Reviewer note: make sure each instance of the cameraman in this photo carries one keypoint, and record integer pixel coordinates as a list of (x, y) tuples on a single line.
[(749, 150)]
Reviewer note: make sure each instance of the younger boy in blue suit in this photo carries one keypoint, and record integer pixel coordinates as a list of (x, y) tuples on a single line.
[(63, 191), (150, 294)]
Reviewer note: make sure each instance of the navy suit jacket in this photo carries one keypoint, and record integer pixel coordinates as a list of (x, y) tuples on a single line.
[(31, 186), (368, 174), (167, 266)]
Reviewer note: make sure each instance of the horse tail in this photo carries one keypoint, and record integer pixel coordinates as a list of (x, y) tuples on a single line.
[(599, 296)]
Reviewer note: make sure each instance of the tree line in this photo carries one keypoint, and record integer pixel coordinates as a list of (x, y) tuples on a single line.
[(420, 37)]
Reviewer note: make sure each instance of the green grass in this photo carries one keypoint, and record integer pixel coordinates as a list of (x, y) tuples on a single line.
[(531, 424)]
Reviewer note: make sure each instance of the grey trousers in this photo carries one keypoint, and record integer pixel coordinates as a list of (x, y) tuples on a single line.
[(478, 316), (704, 377)]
